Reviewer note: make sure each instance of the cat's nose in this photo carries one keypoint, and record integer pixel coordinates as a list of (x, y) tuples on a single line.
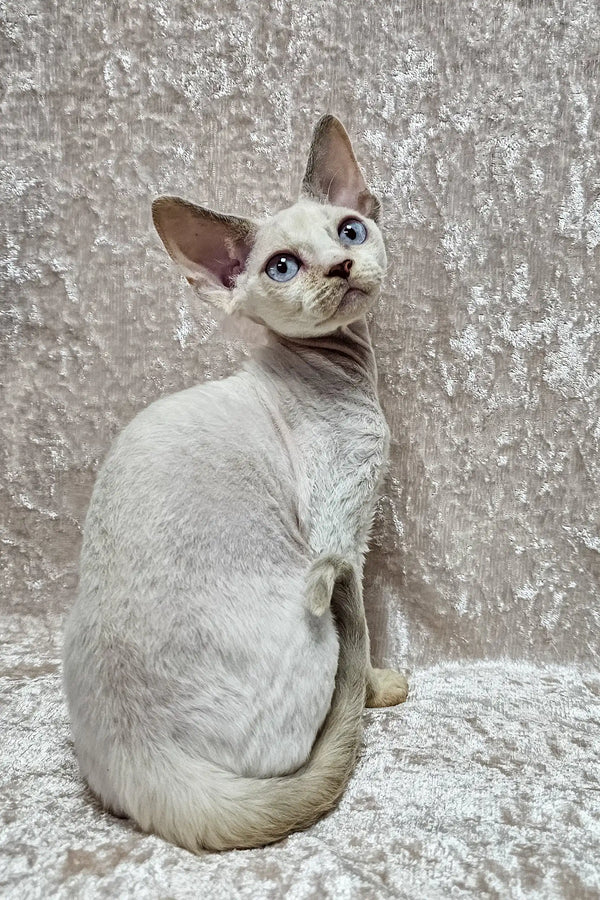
[(341, 269)]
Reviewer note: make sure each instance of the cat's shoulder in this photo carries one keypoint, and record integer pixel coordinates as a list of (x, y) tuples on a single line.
[(193, 402), (172, 420)]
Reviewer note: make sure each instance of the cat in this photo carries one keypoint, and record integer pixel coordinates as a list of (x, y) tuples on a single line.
[(216, 659)]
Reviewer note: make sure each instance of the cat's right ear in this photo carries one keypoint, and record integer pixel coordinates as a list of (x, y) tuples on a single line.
[(211, 248), (332, 172)]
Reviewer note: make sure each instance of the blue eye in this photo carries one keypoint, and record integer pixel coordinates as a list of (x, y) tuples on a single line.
[(282, 267), (352, 231)]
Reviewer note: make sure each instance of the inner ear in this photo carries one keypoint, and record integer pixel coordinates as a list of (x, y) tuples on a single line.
[(332, 172), (209, 245)]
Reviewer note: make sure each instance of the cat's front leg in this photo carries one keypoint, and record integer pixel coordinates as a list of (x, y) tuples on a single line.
[(385, 687)]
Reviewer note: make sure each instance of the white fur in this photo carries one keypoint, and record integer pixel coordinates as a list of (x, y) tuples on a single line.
[(227, 520)]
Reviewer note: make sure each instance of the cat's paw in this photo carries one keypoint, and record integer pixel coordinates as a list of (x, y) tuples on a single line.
[(320, 581), (386, 687), (319, 588)]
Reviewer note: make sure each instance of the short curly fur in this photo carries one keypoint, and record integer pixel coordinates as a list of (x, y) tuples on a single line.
[(216, 658)]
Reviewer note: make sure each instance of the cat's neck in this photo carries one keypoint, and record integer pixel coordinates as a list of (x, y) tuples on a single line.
[(349, 348)]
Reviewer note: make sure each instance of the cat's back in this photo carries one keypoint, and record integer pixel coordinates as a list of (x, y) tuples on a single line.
[(191, 592), (196, 468), (205, 416), (212, 433)]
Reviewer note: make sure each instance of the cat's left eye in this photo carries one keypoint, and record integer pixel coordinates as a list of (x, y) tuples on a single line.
[(282, 267), (352, 231)]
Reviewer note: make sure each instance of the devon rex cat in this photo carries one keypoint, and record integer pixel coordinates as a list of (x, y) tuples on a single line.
[(216, 660)]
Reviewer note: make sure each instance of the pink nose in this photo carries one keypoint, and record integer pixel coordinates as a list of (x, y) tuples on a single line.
[(341, 269)]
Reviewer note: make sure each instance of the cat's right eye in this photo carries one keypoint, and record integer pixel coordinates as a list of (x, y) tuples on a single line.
[(282, 267)]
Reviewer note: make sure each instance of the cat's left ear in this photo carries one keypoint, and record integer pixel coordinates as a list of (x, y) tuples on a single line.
[(332, 172), (210, 247)]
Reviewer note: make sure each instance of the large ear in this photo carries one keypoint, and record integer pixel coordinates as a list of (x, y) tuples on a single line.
[(211, 248), (332, 172)]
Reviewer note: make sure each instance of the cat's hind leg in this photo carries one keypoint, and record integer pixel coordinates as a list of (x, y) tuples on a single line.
[(385, 687)]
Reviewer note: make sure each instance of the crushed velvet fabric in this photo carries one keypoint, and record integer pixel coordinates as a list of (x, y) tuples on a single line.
[(486, 783), (477, 124)]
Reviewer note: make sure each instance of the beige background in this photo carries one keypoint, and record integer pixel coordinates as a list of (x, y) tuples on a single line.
[(477, 121), (480, 132)]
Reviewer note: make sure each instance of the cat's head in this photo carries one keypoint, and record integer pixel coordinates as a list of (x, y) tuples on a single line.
[(305, 271)]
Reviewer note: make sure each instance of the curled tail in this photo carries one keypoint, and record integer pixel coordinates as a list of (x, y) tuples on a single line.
[(197, 805)]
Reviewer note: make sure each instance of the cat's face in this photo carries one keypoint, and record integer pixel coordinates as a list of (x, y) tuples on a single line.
[(313, 267), (304, 272)]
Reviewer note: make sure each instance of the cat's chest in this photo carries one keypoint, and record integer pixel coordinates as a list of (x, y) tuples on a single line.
[(355, 434), (334, 438), (342, 452), (344, 444)]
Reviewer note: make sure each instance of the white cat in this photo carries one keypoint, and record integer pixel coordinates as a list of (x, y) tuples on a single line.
[(216, 660)]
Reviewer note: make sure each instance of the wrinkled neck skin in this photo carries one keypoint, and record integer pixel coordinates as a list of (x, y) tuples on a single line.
[(321, 394), (347, 350)]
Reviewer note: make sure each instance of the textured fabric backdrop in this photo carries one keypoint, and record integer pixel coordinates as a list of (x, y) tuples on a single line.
[(477, 123)]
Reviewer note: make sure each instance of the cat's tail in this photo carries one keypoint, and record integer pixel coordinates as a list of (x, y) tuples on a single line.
[(197, 805)]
